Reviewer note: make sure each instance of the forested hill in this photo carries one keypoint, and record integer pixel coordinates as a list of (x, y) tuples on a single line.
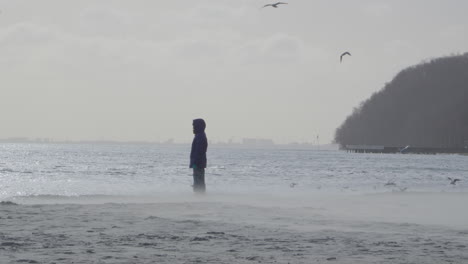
[(423, 106)]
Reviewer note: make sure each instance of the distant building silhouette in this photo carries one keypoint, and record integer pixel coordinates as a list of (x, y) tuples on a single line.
[(257, 142)]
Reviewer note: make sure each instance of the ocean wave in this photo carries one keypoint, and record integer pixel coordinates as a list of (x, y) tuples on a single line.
[(81, 199), (45, 199), (7, 203)]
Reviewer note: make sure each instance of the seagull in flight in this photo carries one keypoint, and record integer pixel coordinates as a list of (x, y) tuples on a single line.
[(275, 5), (345, 53), (404, 149), (453, 181)]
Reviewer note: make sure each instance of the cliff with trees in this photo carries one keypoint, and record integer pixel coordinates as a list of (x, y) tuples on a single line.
[(423, 106)]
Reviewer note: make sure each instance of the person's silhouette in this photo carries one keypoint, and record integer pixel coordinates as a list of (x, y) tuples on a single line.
[(198, 155)]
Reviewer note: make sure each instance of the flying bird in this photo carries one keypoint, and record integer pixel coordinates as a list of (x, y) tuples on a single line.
[(404, 149), (275, 5), (453, 181), (346, 53)]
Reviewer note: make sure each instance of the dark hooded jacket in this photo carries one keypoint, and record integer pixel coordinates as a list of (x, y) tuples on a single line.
[(199, 145)]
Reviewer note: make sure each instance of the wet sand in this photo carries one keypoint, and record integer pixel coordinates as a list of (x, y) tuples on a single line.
[(389, 228)]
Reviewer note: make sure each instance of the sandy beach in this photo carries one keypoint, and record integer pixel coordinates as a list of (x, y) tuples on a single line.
[(216, 228)]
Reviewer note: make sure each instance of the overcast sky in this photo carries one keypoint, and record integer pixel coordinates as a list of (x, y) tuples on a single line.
[(143, 69)]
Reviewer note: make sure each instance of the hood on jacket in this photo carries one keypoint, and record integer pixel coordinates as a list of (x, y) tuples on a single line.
[(199, 126)]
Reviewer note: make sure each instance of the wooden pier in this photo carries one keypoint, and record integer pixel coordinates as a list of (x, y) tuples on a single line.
[(402, 149)]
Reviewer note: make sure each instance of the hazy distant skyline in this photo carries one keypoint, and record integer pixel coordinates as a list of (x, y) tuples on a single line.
[(142, 70)]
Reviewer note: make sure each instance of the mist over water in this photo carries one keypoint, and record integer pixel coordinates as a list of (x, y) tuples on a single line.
[(80, 170), (121, 203)]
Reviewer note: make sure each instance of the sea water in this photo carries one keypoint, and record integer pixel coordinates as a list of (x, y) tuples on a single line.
[(93, 170)]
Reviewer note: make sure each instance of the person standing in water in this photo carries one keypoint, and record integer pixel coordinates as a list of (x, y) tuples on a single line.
[(198, 155)]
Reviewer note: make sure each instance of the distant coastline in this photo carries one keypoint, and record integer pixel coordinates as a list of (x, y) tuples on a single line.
[(245, 143)]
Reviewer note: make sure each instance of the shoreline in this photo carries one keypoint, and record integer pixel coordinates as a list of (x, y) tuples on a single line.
[(425, 208), (342, 229)]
